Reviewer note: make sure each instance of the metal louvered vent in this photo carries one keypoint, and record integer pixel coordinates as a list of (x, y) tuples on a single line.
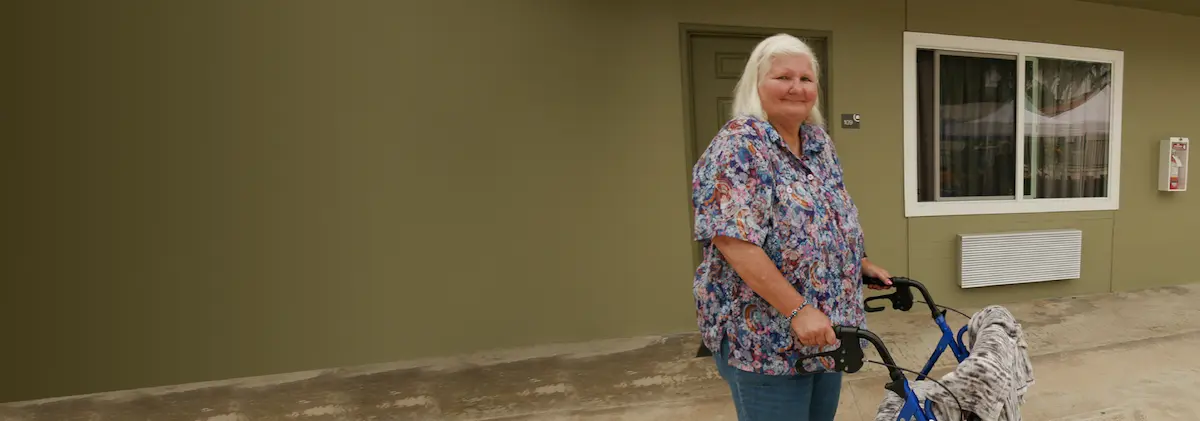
[(1019, 257)]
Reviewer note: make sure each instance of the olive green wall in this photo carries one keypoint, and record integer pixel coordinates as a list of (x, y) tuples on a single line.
[(212, 190)]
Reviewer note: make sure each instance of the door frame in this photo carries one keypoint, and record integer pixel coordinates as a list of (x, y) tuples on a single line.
[(689, 30)]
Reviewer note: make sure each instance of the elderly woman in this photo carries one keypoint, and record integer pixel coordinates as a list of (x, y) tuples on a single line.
[(783, 252)]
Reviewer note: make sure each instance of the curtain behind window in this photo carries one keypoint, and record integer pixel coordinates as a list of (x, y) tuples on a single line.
[(1067, 141)]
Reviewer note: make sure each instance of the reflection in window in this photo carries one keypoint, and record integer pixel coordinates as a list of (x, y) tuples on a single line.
[(967, 127)]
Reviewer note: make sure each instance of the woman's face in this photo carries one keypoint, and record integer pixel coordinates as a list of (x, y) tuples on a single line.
[(789, 89)]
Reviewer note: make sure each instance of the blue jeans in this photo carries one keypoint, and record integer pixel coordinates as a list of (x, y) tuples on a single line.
[(760, 397)]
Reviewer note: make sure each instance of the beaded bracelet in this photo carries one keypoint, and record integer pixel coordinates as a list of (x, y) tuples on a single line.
[(796, 311)]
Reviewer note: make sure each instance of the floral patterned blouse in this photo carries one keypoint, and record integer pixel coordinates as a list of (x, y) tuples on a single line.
[(748, 185)]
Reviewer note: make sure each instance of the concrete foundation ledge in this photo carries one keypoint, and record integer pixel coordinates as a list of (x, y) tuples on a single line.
[(594, 375), (656, 377)]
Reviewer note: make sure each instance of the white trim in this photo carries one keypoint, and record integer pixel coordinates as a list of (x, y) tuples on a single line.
[(1019, 134), (915, 208), (937, 128), (1033, 155)]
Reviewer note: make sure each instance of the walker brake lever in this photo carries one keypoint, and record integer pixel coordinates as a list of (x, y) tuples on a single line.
[(870, 309), (848, 357), (901, 300)]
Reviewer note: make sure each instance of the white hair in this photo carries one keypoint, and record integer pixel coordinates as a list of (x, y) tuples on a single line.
[(746, 101)]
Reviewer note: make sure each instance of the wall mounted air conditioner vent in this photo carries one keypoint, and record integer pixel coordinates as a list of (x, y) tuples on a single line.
[(1019, 257)]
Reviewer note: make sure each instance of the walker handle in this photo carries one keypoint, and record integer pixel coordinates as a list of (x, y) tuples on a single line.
[(902, 299), (848, 356)]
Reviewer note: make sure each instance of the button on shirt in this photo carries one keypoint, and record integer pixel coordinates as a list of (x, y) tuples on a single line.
[(749, 186)]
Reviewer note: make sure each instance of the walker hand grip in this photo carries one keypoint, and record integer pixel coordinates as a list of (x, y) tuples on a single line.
[(848, 357), (870, 280), (902, 299)]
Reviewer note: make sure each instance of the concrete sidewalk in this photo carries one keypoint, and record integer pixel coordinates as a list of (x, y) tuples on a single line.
[(1109, 357)]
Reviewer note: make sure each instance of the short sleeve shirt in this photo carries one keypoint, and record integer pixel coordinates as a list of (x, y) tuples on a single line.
[(748, 185)]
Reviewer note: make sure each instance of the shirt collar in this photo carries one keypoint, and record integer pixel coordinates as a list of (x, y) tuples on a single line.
[(812, 138)]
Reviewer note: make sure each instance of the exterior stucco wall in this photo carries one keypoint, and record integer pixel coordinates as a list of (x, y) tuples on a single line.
[(211, 191)]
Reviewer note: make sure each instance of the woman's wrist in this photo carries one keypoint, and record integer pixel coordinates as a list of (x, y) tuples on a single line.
[(796, 309)]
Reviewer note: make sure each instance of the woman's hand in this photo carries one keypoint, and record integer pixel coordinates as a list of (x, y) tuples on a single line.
[(871, 270), (812, 327)]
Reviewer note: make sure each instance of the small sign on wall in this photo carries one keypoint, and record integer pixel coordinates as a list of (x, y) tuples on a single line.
[(851, 121)]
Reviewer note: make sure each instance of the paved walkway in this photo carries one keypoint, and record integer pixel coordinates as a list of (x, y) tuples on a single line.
[(1109, 357)]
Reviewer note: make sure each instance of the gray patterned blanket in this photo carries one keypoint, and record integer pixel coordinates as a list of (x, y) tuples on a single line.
[(990, 384)]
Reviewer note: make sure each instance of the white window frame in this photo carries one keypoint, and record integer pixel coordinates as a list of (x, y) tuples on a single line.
[(1020, 204)]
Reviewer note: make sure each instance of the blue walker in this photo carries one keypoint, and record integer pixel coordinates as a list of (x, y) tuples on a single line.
[(848, 357), (902, 300)]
